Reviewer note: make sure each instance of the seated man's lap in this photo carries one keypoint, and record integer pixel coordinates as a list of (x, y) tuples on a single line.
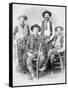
[(29, 59)]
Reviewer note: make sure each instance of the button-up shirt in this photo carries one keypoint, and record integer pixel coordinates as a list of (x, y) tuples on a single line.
[(21, 31), (46, 29)]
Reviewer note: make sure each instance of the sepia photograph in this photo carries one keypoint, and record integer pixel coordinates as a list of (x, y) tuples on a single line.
[(38, 44)]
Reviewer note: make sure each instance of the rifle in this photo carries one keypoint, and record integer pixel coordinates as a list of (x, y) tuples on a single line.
[(38, 59)]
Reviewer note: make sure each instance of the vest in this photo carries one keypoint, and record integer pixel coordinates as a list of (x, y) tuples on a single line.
[(46, 33), (22, 32), (59, 41), (34, 43)]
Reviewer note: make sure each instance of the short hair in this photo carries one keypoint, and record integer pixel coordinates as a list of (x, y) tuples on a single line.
[(24, 16), (46, 11), (37, 26), (59, 27)]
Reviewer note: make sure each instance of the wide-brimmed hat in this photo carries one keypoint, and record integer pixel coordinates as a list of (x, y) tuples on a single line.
[(36, 25), (24, 16), (46, 11), (58, 27)]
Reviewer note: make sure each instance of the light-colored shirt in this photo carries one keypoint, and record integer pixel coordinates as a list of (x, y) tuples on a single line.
[(47, 30), (58, 41), (22, 32)]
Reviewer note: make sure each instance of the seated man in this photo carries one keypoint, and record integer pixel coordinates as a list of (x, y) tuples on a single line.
[(33, 48), (57, 42)]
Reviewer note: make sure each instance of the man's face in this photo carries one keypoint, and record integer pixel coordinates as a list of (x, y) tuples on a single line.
[(21, 20), (58, 31), (46, 16), (35, 30)]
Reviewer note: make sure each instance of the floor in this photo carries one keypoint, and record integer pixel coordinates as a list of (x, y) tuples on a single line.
[(20, 79)]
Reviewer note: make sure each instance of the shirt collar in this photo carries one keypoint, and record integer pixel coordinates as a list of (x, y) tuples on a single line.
[(35, 37)]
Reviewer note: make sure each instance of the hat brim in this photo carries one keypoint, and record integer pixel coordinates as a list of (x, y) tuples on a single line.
[(25, 17)]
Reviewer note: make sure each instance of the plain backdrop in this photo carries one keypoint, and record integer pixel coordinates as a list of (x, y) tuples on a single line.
[(4, 44), (34, 14)]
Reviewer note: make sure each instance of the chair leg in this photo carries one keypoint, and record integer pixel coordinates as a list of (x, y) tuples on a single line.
[(61, 63), (51, 60), (51, 65), (37, 70)]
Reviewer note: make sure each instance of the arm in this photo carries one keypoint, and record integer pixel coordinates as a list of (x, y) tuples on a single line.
[(61, 50), (42, 28), (28, 33), (28, 30), (53, 32), (63, 45), (54, 40), (27, 44), (29, 52)]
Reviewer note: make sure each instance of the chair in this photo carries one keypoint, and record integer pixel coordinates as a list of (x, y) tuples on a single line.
[(58, 62)]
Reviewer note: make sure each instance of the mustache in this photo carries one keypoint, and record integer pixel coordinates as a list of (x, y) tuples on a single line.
[(47, 17)]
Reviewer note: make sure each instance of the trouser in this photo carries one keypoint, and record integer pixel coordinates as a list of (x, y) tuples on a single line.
[(52, 53), (46, 48), (30, 59), (21, 52), (20, 58)]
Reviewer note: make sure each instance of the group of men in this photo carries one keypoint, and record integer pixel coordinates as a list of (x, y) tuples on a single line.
[(31, 46)]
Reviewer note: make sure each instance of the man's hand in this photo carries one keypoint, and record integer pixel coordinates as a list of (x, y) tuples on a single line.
[(47, 40), (51, 52), (60, 50), (40, 53), (29, 54), (53, 43)]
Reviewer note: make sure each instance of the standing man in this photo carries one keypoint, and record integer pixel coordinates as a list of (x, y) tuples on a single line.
[(22, 30), (47, 33), (21, 34), (47, 28)]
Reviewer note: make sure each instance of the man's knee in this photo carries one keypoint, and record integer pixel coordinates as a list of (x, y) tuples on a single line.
[(42, 57), (29, 60), (49, 53), (52, 57)]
